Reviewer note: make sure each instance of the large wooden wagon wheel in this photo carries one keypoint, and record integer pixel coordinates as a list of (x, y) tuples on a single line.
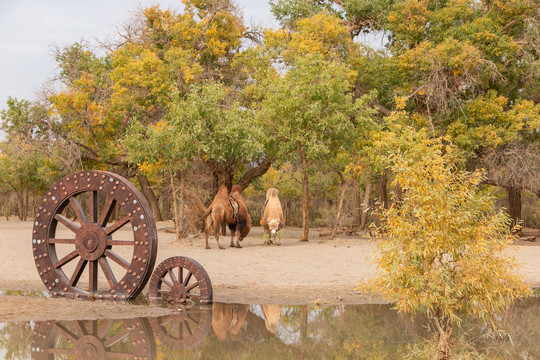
[(93, 340), (94, 236), (180, 279)]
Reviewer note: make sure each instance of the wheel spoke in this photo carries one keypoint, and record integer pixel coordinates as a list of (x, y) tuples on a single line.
[(117, 259), (67, 223), (105, 267), (93, 276), (168, 319), (77, 208), (92, 327), (93, 207), (68, 334), (107, 212), (192, 286), (116, 338), (78, 272), (188, 277), (192, 319), (57, 351), (72, 255), (104, 329), (167, 282), (172, 328), (61, 241), (121, 242), (173, 278), (166, 292), (188, 328), (117, 225), (80, 328)]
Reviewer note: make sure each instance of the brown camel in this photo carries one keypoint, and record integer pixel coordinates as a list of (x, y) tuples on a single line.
[(221, 212), (228, 318)]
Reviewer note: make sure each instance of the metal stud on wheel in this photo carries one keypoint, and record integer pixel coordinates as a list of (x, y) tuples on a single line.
[(80, 220), (180, 279)]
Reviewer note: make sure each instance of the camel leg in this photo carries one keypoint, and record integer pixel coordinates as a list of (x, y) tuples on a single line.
[(206, 230), (206, 239), (217, 231), (238, 241), (277, 240), (239, 229), (267, 237), (233, 233)]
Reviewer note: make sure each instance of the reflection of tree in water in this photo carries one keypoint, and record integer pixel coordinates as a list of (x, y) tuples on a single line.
[(14, 339)]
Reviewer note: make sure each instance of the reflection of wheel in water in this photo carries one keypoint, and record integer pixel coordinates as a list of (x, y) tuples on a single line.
[(180, 279), (184, 330), (73, 241), (93, 340)]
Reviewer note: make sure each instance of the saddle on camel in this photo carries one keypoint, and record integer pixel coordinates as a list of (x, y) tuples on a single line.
[(227, 209)]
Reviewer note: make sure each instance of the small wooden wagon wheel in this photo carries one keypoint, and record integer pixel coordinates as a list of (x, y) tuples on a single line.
[(80, 220), (93, 340), (180, 279), (184, 330)]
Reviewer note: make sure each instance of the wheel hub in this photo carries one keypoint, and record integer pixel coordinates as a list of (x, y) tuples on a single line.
[(179, 292), (91, 242), (89, 347)]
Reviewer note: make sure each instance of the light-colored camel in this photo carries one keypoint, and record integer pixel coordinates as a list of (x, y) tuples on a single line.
[(272, 217), (221, 212), (272, 314)]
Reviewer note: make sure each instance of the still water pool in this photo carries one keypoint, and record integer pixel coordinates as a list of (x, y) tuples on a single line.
[(237, 331)]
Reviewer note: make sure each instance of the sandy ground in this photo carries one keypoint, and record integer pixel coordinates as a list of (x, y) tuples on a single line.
[(320, 271)]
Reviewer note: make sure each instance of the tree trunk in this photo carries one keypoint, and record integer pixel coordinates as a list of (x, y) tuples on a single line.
[(382, 193), (304, 326), (150, 196), (184, 229), (365, 205), (514, 205), (26, 200), (177, 221), (20, 196), (7, 205), (356, 204), (446, 328), (398, 195), (340, 204), (254, 173), (305, 198)]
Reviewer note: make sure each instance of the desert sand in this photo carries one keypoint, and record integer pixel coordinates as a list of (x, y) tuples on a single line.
[(320, 271)]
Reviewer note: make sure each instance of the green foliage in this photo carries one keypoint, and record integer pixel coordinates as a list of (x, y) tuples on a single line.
[(310, 109)]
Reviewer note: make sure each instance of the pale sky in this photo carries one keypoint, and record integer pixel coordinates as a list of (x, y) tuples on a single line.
[(29, 29)]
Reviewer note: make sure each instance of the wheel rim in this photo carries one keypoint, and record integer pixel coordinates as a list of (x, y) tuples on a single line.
[(80, 251), (180, 279)]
